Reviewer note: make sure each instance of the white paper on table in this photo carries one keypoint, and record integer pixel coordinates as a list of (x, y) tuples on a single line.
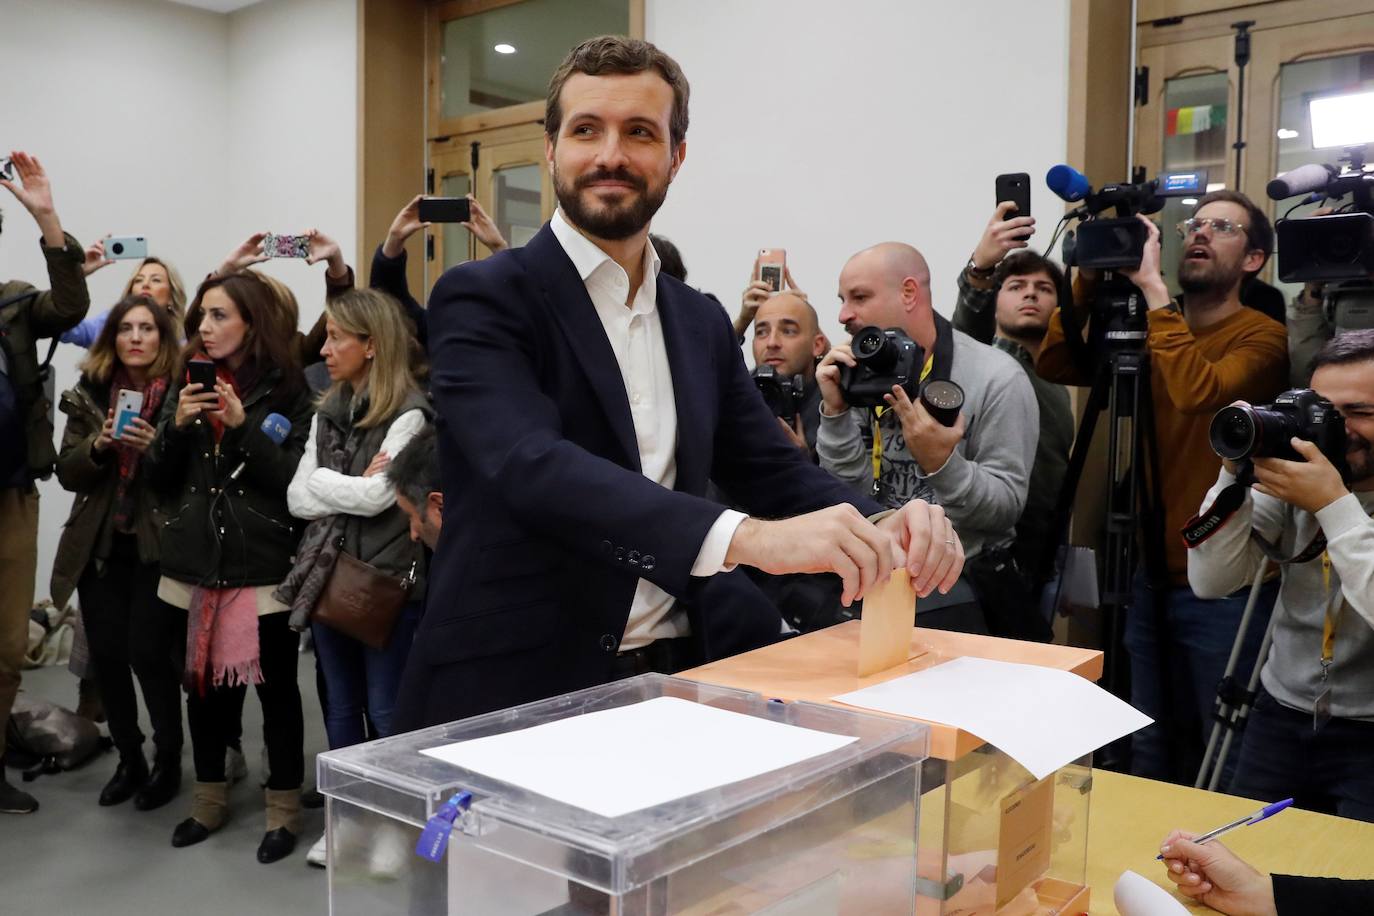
[(1136, 895), (615, 761), (1043, 717)]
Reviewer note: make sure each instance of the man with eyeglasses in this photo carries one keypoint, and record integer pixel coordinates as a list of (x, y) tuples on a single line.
[(1206, 350)]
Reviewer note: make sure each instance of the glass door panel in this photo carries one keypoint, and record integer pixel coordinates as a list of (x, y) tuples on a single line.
[(1195, 137)]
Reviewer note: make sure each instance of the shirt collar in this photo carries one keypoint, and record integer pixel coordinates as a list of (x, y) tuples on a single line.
[(1021, 354), (587, 258)]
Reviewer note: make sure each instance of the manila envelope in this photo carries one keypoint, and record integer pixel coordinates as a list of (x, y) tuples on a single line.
[(889, 613)]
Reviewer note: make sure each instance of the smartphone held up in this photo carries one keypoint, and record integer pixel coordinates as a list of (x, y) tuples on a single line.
[(771, 267)]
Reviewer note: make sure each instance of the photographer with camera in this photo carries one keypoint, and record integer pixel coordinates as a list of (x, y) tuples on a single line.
[(974, 460), (1205, 351), (1007, 295), (787, 345), (28, 315), (1311, 731)]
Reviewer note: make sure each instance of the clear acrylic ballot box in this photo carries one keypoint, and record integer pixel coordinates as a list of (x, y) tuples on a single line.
[(833, 834), (994, 840)]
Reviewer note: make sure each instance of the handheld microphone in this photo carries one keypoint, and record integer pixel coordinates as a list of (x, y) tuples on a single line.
[(1068, 183), (275, 427), (1302, 180)]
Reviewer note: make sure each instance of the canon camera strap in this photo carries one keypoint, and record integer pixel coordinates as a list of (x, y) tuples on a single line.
[(944, 349), (1208, 522)]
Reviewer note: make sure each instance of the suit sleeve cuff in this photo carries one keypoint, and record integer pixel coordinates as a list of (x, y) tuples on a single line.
[(711, 557)]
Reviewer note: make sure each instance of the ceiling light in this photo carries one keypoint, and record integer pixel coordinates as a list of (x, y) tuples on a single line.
[(1342, 120), (1286, 134), (1189, 201), (1215, 186), (504, 48)]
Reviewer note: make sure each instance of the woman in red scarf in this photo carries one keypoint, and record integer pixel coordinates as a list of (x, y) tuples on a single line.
[(109, 549), (228, 541)]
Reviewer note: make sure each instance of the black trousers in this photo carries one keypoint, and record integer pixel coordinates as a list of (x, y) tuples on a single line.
[(215, 717), (129, 628)]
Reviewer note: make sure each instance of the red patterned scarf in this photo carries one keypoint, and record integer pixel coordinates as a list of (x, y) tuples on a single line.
[(128, 457)]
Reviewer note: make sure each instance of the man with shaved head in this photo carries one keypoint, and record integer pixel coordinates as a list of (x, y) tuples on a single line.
[(787, 336), (978, 469)]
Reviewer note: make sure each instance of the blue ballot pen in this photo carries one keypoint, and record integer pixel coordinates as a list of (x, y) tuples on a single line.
[(1266, 812)]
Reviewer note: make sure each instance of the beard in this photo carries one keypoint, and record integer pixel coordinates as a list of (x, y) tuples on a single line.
[(1208, 276), (616, 219), (1024, 328), (1360, 459)]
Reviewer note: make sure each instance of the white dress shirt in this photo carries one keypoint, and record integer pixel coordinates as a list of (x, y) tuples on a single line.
[(636, 336)]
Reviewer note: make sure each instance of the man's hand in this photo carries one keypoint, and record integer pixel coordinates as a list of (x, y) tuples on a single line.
[(929, 441), (1001, 236), (1146, 276), (828, 379), (1216, 876), (323, 248), (484, 227), (244, 255), (796, 434), (34, 191), (835, 539), (1311, 484), (405, 224), (934, 555), (95, 257), (755, 294)]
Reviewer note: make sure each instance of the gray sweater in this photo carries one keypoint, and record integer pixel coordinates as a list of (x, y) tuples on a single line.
[(1228, 559), (983, 485)]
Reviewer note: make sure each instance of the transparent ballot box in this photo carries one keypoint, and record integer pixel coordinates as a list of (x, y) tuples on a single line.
[(994, 840), (835, 833)]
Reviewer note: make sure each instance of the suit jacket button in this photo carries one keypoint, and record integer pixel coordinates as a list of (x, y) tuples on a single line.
[(609, 643), (619, 554), (648, 562), (633, 559)]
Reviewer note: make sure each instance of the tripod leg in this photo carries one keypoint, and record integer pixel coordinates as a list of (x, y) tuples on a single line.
[(1241, 713), (1222, 721)]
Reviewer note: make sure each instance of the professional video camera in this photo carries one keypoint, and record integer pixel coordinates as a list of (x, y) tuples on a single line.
[(1110, 244), (1239, 433), (782, 393), (887, 358), (1337, 246)]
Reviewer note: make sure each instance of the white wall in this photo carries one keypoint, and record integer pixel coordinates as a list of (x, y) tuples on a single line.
[(157, 119), (823, 128)]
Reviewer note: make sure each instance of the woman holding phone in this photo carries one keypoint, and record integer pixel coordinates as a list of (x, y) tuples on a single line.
[(372, 409), (155, 278), (229, 437), (109, 548)]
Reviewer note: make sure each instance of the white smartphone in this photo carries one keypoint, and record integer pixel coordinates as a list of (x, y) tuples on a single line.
[(127, 406)]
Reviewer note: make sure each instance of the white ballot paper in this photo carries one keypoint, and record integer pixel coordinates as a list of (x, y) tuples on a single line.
[(1135, 895), (1043, 717), (632, 757)]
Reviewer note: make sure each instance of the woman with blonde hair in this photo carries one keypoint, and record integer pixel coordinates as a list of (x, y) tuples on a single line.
[(154, 278), (109, 550), (372, 409)]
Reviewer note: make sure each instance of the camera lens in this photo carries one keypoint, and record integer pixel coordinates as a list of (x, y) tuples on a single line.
[(873, 350), (943, 399), (1234, 432), (117, 248)]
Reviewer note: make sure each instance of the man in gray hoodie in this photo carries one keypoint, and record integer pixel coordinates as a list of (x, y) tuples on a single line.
[(978, 469)]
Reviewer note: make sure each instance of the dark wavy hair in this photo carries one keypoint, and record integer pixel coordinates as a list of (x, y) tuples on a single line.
[(616, 55), (99, 365), (271, 337)]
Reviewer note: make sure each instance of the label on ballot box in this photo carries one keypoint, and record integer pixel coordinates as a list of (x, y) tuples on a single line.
[(1023, 840)]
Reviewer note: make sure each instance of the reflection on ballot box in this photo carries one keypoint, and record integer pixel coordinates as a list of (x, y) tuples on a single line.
[(649, 796), (994, 837)]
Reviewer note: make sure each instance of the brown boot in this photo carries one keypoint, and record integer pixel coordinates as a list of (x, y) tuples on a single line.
[(209, 810), (283, 824)]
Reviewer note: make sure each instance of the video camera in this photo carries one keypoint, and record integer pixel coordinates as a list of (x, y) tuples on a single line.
[(1337, 246), (890, 357), (1240, 433), (782, 393), (1114, 243)]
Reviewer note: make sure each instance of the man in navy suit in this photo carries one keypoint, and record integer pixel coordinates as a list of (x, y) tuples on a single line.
[(585, 402)]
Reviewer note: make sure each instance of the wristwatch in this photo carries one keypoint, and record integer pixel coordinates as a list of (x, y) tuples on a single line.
[(982, 273)]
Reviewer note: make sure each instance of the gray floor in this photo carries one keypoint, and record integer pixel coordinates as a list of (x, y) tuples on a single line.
[(74, 858)]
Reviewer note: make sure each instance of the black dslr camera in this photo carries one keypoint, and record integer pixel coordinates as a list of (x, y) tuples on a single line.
[(782, 393), (1337, 246), (885, 358), (1241, 433)]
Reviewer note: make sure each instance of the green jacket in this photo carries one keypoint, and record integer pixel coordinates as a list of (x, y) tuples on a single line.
[(93, 478), (222, 532), (22, 324)]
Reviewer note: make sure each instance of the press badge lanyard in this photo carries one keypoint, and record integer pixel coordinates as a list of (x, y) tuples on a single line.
[(877, 415), (1321, 710), (940, 361)]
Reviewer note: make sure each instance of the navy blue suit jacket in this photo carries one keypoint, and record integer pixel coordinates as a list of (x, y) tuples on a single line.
[(548, 522)]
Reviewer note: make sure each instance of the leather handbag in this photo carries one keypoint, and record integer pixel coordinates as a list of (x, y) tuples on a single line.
[(361, 601)]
